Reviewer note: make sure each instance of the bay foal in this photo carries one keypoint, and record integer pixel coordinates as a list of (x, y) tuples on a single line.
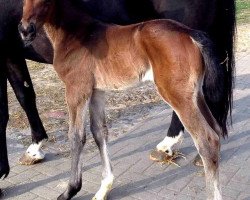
[(91, 57)]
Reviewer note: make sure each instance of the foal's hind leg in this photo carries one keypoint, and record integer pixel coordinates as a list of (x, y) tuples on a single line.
[(186, 104), (100, 133), (19, 78)]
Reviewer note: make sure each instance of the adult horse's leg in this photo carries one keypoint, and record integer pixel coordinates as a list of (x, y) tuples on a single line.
[(19, 78), (100, 133), (77, 105), (174, 135), (4, 117)]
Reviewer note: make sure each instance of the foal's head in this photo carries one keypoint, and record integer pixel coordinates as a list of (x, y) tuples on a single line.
[(35, 13)]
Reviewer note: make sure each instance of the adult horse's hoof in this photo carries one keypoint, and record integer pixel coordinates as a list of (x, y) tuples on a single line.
[(158, 156), (4, 170), (1, 193), (198, 161), (28, 159), (32, 156)]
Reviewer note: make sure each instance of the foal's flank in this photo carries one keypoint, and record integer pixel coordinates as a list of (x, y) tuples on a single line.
[(91, 57)]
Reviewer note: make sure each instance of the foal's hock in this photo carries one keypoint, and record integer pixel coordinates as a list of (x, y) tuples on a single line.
[(91, 57)]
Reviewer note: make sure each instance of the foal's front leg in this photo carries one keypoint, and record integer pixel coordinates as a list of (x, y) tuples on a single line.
[(100, 133), (77, 112)]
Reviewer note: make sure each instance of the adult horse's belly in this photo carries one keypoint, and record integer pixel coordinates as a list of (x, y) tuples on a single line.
[(198, 14), (174, 9)]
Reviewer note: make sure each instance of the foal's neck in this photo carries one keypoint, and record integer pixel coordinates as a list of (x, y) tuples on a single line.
[(65, 19)]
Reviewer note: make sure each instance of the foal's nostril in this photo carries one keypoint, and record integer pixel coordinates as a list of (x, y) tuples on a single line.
[(31, 28)]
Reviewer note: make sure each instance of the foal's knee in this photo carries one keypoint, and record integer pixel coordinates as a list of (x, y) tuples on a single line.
[(100, 133)]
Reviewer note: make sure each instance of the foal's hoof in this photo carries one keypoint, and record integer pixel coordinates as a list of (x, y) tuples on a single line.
[(198, 161), (29, 158), (95, 198), (158, 156), (61, 197)]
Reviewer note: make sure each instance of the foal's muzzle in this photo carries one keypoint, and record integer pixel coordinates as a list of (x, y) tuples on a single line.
[(28, 34)]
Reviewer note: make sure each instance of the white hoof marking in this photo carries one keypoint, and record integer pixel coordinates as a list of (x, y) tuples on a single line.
[(34, 151), (217, 191), (106, 186), (168, 143)]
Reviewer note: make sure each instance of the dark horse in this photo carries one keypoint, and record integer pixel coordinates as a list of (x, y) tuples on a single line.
[(216, 17), (91, 57)]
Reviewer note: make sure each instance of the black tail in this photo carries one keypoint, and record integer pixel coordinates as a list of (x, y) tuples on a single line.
[(222, 33), (214, 87)]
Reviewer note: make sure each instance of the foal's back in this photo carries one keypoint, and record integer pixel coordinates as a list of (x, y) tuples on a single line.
[(120, 56)]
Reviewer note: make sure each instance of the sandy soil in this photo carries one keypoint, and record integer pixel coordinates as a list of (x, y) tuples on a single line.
[(124, 109)]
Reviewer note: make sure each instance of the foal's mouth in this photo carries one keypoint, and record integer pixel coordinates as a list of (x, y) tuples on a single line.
[(28, 41)]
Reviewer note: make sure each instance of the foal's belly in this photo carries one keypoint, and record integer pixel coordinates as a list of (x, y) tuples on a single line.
[(123, 78)]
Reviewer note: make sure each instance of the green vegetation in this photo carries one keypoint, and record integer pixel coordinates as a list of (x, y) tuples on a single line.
[(243, 11)]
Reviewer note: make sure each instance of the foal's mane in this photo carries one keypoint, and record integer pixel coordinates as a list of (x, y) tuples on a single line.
[(73, 18), (65, 13)]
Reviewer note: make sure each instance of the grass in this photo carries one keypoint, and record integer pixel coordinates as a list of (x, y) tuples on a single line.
[(243, 11)]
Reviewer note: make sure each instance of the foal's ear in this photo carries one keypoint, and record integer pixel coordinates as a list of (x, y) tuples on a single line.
[(48, 1)]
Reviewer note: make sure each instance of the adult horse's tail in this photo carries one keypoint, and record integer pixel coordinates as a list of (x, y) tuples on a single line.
[(222, 34)]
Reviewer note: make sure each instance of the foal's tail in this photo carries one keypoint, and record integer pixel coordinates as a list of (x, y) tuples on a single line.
[(217, 95)]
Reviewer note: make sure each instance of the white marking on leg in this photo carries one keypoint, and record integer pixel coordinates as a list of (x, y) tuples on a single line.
[(106, 186), (34, 151), (217, 191), (26, 84), (107, 182), (168, 143), (149, 75)]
